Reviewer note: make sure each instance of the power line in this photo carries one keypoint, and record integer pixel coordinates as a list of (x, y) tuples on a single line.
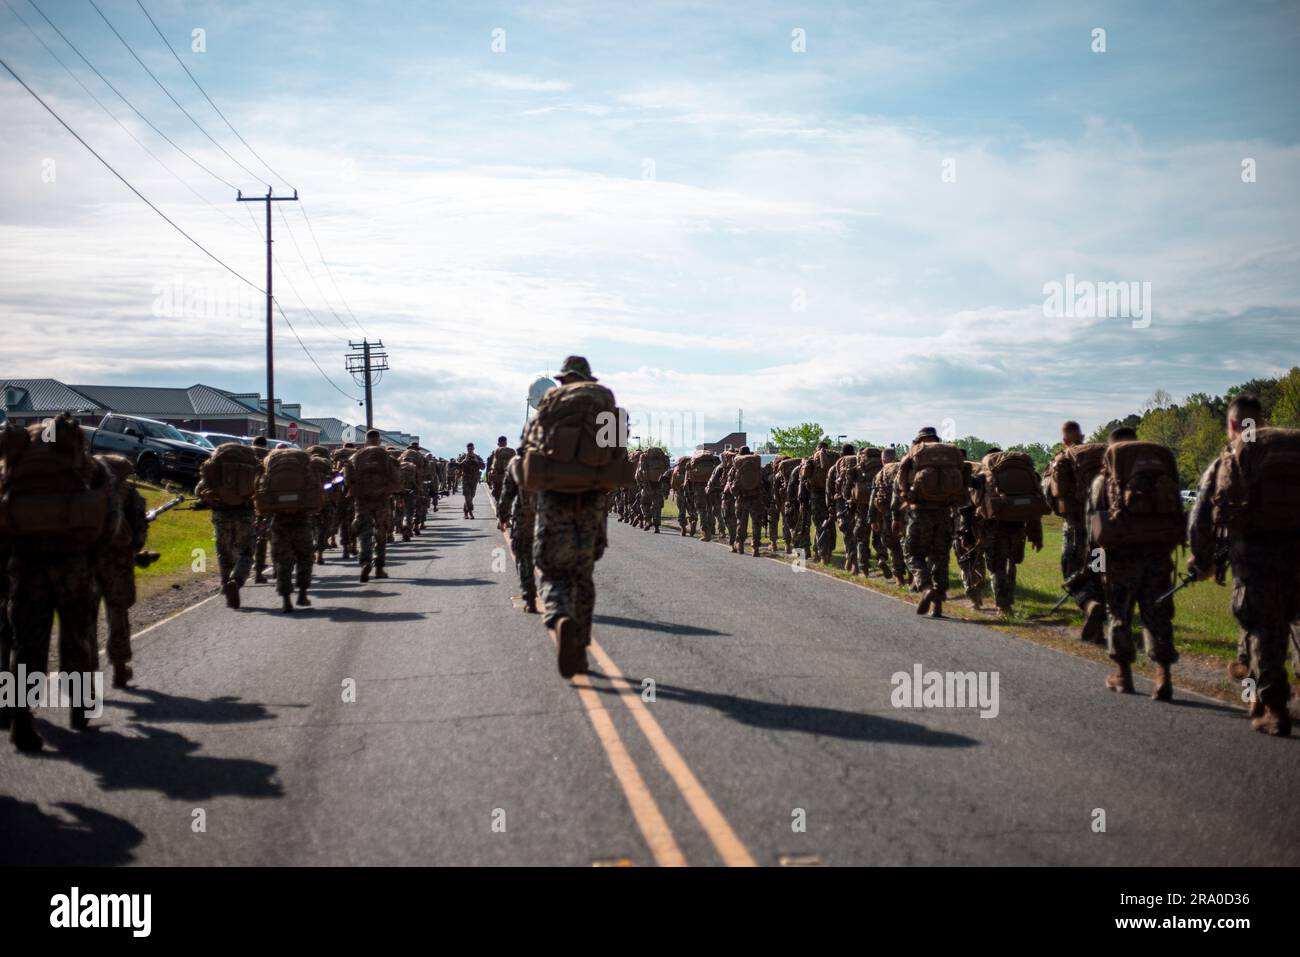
[(125, 129), (196, 123), (211, 255), (303, 209), (307, 268), (209, 99), (292, 285), (308, 352), (121, 96)]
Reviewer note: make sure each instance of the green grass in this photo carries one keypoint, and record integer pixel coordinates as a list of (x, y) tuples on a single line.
[(174, 535), (1203, 621)]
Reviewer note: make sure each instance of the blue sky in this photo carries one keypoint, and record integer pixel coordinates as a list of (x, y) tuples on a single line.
[(657, 187)]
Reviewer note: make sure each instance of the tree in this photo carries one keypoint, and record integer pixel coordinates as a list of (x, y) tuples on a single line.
[(1286, 411), (801, 440), (1037, 451)]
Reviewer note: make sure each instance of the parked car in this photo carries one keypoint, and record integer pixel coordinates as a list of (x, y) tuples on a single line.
[(1188, 496), (221, 438), (156, 449), (194, 438)]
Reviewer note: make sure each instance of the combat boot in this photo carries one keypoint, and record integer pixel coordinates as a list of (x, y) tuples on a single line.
[(924, 605), (365, 572), (1004, 612), (1256, 709), (936, 606), (231, 590), (1094, 623), (303, 600), (756, 550), (1274, 721), (259, 578), (379, 571), (571, 657), (122, 674), (320, 556), (1122, 680), (1238, 671), (1164, 690), (530, 604), (406, 535), (976, 599), (286, 603), (23, 732)]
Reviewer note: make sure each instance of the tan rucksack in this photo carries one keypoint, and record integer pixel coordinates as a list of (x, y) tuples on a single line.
[(371, 473), (568, 445), (702, 466), (787, 468), (229, 477), (1257, 486), (501, 457), (1142, 502), (886, 480), (652, 464), (1070, 476), (747, 474), (288, 484), (862, 477), (938, 474), (1012, 490), (817, 468), (52, 489), (679, 473), (326, 474)]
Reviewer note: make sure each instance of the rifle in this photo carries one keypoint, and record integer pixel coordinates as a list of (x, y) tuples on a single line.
[(1220, 563), (1070, 584), (165, 506)]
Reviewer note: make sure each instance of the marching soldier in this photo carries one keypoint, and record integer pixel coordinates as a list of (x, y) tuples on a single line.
[(517, 511)]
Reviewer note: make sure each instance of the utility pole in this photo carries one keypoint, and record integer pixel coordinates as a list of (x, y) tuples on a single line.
[(740, 420), (270, 339), (363, 365)]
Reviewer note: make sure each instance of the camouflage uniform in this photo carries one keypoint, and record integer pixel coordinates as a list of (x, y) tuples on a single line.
[(1137, 576), (370, 528), (652, 503), (703, 508), (839, 506), (471, 466), (928, 544), (323, 523), (115, 573), (519, 509), (1004, 549), (721, 503), (235, 534), (790, 510), (971, 545), (292, 546), (570, 539), (773, 517), (816, 529), (45, 578)]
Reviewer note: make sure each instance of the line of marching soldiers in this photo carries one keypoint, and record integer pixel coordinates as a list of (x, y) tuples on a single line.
[(1121, 512)]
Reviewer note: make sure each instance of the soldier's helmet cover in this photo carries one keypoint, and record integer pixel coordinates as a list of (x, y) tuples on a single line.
[(575, 369)]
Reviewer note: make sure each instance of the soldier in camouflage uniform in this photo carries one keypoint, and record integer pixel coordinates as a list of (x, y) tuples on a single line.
[(686, 518), (517, 511), (52, 573), (1074, 549), (703, 507), (970, 547), (372, 521), (1136, 576), (262, 523), (928, 540), (788, 492), (115, 567), (721, 502), (1265, 582), (887, 519), (343, 509), (293, 547), (839, 508), (773, 518), (323, 522), (471, 467), (816, 530), (750, 507), (1002, 548), (570, 539)]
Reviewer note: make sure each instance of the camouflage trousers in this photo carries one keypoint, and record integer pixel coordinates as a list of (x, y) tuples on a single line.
[(652, 503), (928, 544), (569, 540), (889, 548), (470, 488), (324, 523), (973, 569), (41, 585), (1266, 604), (750, 508), (521, 543), (262, 531), (845, 518), (864, 536), (345, 513), (703, 509), (822, 530), (293, 548), (686, 517), (790, 524), (115, 573), (235, 533), (410, 511), (1004, 549), (1075, 556), (1136, 577), (370, 530), (773, 520)]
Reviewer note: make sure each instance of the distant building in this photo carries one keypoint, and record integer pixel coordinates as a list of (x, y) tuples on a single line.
[(734, 441)]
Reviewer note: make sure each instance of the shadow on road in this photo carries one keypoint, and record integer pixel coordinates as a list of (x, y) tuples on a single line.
[(807, 719), (149, 705), (341, 614), (153, 759), (92, 838), (667, 627)]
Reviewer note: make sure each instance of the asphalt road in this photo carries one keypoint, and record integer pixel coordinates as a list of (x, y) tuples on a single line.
[(739, 712)]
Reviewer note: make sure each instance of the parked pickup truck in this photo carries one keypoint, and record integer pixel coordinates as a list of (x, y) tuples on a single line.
[(156, 449)]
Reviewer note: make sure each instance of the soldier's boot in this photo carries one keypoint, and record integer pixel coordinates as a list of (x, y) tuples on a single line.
[(1256, 709), (976, 599), (1164, 690), (379, 571), (1004, 611), (926, 600), (1122, 680), (936, 606), (756, 550), (231, 590), (1238, 671), (682, 528), (1274, 721), (365, 572), (258, 577), (656, 526), (732, 546), (570, 656), (530, 605), (333, 543), (286, 603), (320, 556), (22, 732), (122, 674), (406, 534), (1094, 623), (302, 597)]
